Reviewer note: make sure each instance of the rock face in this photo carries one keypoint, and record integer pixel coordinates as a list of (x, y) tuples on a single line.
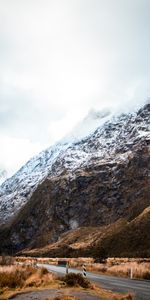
[(94, 181)]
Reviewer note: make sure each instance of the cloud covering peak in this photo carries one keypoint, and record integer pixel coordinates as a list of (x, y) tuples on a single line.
[(61, 58)]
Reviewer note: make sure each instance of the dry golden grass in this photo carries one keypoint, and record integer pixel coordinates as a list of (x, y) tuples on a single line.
[(15, 279), (20, 278), (109, 295), (14, 276), (41, 278), (113, 266), (54, 261), (8, 269), (139, 270), (6, 260)]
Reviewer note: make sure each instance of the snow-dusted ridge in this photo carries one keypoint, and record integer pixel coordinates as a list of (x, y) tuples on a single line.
[(3, 176), (109, 138), (16, 191)]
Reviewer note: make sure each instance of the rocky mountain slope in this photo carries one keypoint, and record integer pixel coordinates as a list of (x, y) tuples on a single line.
[(17, 190), (123, 238), (93, 181)]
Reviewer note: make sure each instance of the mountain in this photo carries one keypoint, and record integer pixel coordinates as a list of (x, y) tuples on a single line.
[(17, 190), (3, 175), (88, 182), (122, 239)]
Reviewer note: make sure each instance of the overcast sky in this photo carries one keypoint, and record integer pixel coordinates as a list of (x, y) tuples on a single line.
[(59, 59)]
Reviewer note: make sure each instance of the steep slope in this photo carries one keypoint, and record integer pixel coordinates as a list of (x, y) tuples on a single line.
[(121, 239), (112, 141), (17, 190), (133, 239), (3, 175), (92, 182)]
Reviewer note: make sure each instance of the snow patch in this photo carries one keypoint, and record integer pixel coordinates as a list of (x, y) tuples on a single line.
[(73, 224)]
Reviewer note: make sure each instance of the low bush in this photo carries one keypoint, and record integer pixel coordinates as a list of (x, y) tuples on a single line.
[(73, 279), (43, 271), (6, 260), (13, 277), (146, 275), (11, 280)]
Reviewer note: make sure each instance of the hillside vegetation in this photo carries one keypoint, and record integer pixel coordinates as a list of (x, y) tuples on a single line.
[(121, 239)]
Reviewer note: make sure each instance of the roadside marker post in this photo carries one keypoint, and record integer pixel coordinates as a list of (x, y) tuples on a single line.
[(131, 273), (84, 270), (67, 268)]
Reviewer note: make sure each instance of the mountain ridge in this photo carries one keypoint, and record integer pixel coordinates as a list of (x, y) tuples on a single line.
[(92, 182), (36, 169)]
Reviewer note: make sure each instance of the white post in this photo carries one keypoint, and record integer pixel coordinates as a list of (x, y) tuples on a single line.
[(67, 268), (131, 273), (84, 270)]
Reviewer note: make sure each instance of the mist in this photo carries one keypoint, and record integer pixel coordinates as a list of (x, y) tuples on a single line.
[(61, 58)]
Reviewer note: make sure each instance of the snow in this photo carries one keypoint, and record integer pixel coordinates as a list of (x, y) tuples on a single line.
[(73, 224), (93, 120), (144, 133), (3, 176), (100, 138)]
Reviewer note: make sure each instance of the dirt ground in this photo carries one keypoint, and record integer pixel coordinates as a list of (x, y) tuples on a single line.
[(41, 295)]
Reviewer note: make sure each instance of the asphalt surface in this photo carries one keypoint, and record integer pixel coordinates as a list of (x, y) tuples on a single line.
[(140, 288)]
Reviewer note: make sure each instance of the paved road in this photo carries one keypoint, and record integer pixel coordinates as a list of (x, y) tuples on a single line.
[(140, 288)]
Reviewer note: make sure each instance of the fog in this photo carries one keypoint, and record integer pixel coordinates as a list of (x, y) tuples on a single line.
[(59, 60)]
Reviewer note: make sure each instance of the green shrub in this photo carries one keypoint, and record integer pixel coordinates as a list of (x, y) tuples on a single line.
[(73, 279)]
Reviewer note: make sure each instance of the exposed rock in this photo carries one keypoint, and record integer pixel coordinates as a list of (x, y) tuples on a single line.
[(94, 181)]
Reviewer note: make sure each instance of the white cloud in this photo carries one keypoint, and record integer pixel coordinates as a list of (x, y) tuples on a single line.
[(15, 152), (60, 58)]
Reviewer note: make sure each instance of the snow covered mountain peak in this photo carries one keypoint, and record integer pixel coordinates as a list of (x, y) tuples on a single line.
[(100, 137), (3, 175), (97, 115), (93, 120)]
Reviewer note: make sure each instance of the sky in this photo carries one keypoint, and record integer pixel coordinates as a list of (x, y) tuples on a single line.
[(61, 58)]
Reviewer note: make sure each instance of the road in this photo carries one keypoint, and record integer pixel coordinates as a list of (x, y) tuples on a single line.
[(140, 288)]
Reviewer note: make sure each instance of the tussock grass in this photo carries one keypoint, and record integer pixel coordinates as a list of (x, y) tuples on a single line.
[(16, 278), (112, 266), (6, 260), (54, 261), (109, 295), (13, 276), (140, 270), (117, 267), (73, 279)]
